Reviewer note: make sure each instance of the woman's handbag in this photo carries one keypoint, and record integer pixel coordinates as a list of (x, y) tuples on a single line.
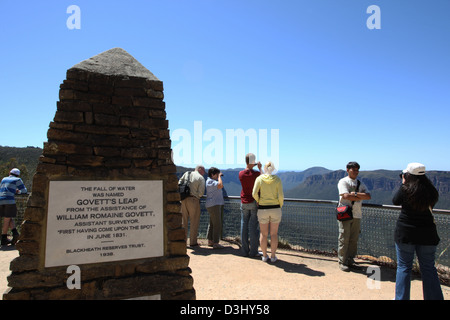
[(344, 213)]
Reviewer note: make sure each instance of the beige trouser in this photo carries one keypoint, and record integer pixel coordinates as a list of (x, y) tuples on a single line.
[(348, 240), (190, 209)]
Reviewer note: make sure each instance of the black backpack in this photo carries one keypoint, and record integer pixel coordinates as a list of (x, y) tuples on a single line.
[(183, 187)]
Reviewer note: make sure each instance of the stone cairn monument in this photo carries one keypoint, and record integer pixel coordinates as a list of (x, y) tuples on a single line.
[(103, 220)]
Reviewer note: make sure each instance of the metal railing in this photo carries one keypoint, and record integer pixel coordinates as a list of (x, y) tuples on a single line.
[(311, 225)]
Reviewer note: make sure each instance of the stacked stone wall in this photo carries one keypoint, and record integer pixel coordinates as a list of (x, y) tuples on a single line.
[(107, 127)]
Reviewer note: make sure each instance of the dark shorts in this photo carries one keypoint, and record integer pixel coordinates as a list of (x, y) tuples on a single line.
[(8, 210)]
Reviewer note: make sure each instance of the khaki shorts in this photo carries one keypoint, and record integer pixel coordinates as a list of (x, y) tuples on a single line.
[(8, 210), (269, 215)]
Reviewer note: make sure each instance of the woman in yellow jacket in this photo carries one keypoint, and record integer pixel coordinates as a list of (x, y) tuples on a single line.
[(268, 193)]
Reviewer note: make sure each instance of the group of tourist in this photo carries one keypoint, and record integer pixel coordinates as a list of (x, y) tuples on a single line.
[(261, 202), (262, 199)]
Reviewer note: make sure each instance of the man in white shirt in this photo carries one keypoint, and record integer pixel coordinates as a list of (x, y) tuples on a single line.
[(349, 230), (190, 207)]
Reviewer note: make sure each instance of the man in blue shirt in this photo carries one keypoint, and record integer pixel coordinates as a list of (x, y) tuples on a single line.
[(9, 187)]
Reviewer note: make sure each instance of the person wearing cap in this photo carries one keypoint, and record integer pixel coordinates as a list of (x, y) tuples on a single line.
[(9, 187), (352, 195), (268, 193), (415, 232), (249, 207)]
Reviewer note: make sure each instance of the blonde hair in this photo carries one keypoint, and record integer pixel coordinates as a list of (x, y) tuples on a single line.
[(269, 167)]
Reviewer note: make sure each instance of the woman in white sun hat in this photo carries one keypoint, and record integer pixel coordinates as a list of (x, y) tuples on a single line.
[(416, 232)]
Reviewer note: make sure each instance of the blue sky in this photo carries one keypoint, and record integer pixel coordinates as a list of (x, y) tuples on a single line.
[(333, 89)]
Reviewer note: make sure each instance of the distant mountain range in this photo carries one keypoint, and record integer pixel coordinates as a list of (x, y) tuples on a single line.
[(313, 183), (321, 184)]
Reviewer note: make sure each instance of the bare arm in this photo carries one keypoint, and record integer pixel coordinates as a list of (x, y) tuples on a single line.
[(356, 196), (219, 179)]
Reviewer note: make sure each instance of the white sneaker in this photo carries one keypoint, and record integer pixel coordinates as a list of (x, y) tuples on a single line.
[(264, 259), (274, 259)]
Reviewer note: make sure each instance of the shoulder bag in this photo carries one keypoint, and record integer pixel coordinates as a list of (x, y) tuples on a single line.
[(344, 213), (183, 187)]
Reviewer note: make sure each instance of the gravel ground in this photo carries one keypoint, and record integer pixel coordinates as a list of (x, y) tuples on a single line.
[(223, 274)]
